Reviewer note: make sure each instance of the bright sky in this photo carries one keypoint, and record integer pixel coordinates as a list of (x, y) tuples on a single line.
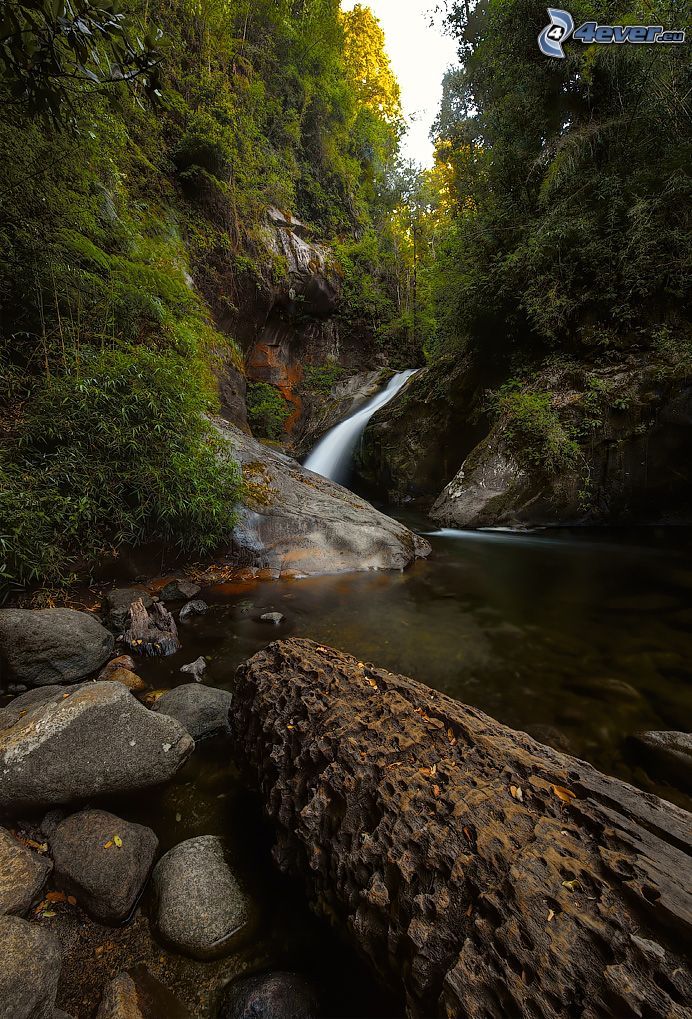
[(420, 55)]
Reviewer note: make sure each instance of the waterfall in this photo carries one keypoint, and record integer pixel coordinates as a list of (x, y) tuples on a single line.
[(333, 455)]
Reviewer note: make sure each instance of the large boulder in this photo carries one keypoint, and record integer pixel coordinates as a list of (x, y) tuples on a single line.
[(93, 740), (199, 903), (202, 710), (40, 647), (296, 523), (270, 996), (30, 961), (104, 861), (23, 874), (138, 995)]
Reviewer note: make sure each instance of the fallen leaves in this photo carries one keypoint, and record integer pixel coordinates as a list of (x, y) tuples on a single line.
[(44, 908), (517, 793), (571, 885), (551, 915), (114, 841), (566, 795)]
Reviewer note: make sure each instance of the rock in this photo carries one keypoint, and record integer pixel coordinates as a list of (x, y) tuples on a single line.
[(138, 995), (59, 1014), (272, 617), (669, 754), (295, 523), (270, 996), (130, 680), (119, 601), (202, 710), (96, 739), (107, 877), (199, 904), (549, 736), (192, 608), (605, 688), (121, 662), (41, 647), (179, 590), (152, 633), (30, 961), (20, 705), (23, 874), (195, 669)]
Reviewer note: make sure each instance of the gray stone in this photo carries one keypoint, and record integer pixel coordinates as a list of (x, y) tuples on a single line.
[(179, 590), (296, 523), (23, 873), (119, 601), (136, 994), (20, 705), (41, 647), (107, 877), (272, 617), (202, 710), (669, 754), (96, 739), (193, 608), (30, 961), (199, 904), (195, 669), (270, 996)]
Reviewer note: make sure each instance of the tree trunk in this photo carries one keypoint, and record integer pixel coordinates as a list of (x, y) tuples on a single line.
[(482, 873), (154, 634)]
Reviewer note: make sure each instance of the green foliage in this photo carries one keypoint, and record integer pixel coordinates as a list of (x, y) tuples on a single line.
[(534, 430), (267, 410), (322, 378)]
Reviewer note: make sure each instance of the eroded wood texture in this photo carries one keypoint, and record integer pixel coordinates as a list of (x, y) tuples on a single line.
[(152, 633), (450, 848)]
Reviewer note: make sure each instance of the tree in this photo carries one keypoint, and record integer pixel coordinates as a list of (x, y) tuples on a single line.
[(368, 64)]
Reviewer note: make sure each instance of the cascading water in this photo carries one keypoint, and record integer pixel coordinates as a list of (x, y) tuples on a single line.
[(333, 455)]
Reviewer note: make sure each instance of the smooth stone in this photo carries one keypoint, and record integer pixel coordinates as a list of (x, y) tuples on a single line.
[(121, 662), (669, 753), (136, 994), (272, 617), (202, 710), (270, 996), (193, 608), (130, 680), (199, 904), (95, 740), (195, 669), (42, 647), (18, 707), (30, 961), (23, 873), (107, 879), (119, 601), (179, 590)]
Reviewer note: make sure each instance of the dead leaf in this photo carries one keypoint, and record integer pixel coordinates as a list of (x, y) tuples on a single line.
[(55, 897), (109, 844), (551, 915), (451, 737), (570, 884), (71, 899), (566, 795), (290, 728), (517, 793), (436, 791), (118, 841), (48, 913)]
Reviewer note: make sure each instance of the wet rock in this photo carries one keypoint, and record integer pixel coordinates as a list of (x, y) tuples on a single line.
[(104, 861), (23, 874), (153, 633), (202, 710), (179, 590), (195, 669), (41, 647), (669, 754), (130, 680), (119, 601), (193, 608), (30, 961), (94, 740), (121, 662), (138, 995), (199, 904), (272, 617), (295, 523), (270, 996)]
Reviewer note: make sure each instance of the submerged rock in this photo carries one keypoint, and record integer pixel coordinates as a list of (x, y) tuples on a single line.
[(104, 861), (23, 873), (138, 995), (272, 617), (193, 608), (270, 996), (41, 647), (179, 590), (202, 710), (93, 740), (30, 961), (199, 904), (668, 753), (297, 523)]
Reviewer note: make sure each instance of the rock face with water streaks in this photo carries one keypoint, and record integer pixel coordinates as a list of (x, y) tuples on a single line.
[(297, 523), (487, 874)]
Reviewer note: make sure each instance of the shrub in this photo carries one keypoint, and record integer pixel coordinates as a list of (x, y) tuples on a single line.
[(534, 431), (267, 410), (322, 378)]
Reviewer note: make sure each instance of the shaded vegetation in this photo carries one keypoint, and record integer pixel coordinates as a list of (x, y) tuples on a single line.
[(267, 410)]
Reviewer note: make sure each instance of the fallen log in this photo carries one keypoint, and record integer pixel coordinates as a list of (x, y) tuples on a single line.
[(480, 872)]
